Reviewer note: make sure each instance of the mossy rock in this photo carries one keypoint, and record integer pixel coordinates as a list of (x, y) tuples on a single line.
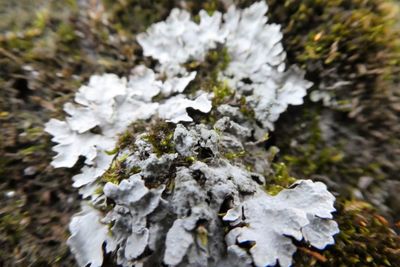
[(366, 239), (51, 49)]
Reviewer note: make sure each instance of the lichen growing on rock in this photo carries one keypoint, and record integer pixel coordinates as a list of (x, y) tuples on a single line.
[(164, 196)]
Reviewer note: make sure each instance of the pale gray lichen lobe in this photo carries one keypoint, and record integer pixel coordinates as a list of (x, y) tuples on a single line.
[(191, 192)]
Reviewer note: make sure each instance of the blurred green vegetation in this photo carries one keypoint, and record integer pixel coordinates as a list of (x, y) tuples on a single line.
[(49, 48)]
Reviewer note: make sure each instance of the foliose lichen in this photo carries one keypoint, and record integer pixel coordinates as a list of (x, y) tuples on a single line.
[(182, 193)]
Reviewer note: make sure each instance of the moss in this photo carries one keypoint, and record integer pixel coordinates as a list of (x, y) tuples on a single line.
[(235, 155), (136, 15), (11, 226), (118, 171), (246, 109), (309, 154), (189, 160), (279, 180), (222, 93), (342, 31), (219, 59), (202, 235), (366, 239), (127, 139), (353, 41), (161, 136), (216, 61), (66, 33)]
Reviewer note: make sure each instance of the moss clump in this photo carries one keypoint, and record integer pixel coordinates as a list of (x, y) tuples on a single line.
[(219, 59), (215, 62), (339, 33), (222, 94), (352, 48), (314, 156), (136, 15), (235, 155), (12, 224), (161, 136), (279, 180), (245, 109), (117, 171), (365, 239), (308, 153), (127, 139)]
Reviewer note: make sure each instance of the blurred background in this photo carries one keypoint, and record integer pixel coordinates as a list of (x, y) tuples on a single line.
[(350, 49)]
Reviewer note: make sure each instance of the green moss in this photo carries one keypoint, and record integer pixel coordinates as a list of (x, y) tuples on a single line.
[(118, 171), (355, 41), (219, 59), (66, 33), (222, 93), (365, 239), (128, 138), (210, 6), (336, 31), (216, 61), (245, 109), (279, 180), (235, 155), (190, 160), (32, 150), (307, 154), (160, 136), (136, 15), (12, 223)]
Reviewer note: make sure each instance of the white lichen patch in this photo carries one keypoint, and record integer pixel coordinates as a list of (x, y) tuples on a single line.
[(175, 108), (87, 237), (172, 194), (182, 225), (112, 104), (257, 66), (271, 221), (179, 39)]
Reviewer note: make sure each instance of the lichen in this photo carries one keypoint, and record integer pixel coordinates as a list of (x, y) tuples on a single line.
[(41, 66), (247, 110), (305, 219)]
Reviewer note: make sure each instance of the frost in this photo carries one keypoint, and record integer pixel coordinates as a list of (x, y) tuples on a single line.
[(90, 173), (190, 142), (97, 101), (302, 211), (127, 192), (320, 232), (257, 56), (272, 98), (153, 223), (143, 84)]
